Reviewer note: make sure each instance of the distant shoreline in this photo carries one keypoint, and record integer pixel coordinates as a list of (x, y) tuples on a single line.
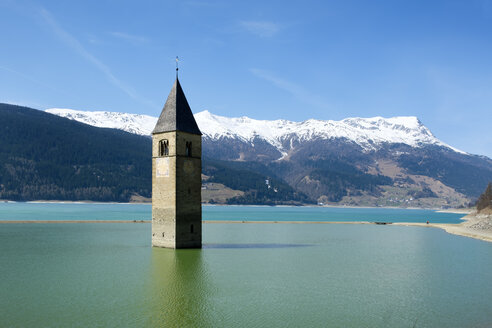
[(464, 229), (451, 210), (71, 221), (82, 202)]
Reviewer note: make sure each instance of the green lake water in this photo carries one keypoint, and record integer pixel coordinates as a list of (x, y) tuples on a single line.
[(247, 275)]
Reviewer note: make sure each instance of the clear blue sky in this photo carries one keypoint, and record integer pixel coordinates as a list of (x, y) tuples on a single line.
[(263, 59)]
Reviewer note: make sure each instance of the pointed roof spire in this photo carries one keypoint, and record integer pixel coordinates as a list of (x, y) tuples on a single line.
[(176, 114)]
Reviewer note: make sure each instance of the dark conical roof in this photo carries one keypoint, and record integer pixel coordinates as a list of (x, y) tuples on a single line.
[(176, 114)]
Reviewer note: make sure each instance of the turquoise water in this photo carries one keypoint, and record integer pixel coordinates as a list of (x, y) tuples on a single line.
[(270, 213), (43, 211), (74, 211), (247, 275)]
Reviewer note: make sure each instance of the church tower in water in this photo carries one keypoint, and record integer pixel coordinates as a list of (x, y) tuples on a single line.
[(176, 175)]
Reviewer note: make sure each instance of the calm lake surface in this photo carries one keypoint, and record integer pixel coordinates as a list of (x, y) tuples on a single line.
[(50, 211), (247, 275)]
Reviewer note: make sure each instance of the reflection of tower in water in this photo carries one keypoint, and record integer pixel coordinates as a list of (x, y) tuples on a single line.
[(179, 289)]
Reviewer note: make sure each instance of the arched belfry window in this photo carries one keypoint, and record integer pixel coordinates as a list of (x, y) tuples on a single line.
[(164, 147), (188, 149)]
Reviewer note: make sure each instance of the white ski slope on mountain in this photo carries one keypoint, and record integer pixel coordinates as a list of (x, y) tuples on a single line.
[(369, 133)]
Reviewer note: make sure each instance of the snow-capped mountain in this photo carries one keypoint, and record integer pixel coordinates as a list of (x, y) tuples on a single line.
[(368, 133), (133, 123), (356, 161)]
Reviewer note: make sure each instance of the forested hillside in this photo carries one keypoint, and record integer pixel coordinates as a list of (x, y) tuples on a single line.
[(43, 156), (261, 185), (485, 200), (356, 161), (47, 157)]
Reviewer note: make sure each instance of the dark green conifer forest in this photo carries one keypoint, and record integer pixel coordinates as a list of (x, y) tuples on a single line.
[(43, 156), (485, 199), (46, 157)]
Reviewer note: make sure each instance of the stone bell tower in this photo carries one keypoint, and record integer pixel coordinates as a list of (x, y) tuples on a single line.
[(176, 175)]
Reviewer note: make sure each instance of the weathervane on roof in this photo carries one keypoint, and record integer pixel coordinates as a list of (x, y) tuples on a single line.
[(177, 60)]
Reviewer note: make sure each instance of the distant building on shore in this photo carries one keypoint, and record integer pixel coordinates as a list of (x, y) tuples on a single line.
[(176, 175)]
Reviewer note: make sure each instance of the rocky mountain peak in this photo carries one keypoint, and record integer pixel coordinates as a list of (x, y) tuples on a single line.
[(368, 133)]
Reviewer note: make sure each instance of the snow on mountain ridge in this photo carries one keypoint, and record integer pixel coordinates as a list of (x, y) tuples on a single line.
[(133, 123), (369, 133)]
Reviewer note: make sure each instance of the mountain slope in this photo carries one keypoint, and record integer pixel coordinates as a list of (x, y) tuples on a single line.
[(259, 184), (368, 133), (133, 123), (484, 203), (356, 161), (43, 156)]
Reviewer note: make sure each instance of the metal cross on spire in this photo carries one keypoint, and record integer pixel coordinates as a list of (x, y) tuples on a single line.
[(177, 68)]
